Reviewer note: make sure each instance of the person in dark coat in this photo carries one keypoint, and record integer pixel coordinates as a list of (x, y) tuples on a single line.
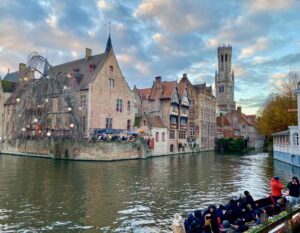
[(231, 211), (214, 219), (196, 218), (240, 226), (294, 191), (249, 200), (220, 212)]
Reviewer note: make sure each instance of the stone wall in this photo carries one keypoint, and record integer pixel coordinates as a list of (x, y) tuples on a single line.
[(101, 151)]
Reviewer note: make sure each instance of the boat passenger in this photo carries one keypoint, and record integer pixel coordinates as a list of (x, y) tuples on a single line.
[(280, 205), (207, 229), (177, 225), (214, 219), (226, 227), (293, 191), (220, 212), (196, 217), (249, 200), (240, 226), (194, 228), (231, 211), (276, 188)]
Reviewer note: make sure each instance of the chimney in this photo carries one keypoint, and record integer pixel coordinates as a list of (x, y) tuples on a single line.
[(239, 110), (22, 70), (158, 79), (88, 53)]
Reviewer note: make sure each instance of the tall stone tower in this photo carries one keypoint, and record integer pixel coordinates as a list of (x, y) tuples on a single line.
[(224, 80)]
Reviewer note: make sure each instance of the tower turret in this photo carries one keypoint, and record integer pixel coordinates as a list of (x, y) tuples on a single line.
[(224, 81)]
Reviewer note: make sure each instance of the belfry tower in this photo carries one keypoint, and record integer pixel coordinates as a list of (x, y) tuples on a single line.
[(224, 80)]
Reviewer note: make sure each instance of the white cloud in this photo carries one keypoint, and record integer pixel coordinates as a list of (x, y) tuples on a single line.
[(270, 5), (52, 21), (260, 45), (260, 59)]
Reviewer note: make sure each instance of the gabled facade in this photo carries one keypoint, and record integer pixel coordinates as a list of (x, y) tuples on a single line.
[(165, 101), (101, 94), (202, 115)]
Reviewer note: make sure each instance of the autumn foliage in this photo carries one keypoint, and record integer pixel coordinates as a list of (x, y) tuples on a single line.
[(274, 116)]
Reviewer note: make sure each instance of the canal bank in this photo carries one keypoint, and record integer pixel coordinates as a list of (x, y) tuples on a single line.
[(83, 150)]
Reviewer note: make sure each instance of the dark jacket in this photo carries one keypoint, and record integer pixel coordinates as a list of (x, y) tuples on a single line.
[(294, 189), (250, 200)]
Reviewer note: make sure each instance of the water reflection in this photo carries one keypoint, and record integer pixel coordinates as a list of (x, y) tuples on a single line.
[(129, 196)]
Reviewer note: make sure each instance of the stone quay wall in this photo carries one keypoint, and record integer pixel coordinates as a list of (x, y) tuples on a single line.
[(65, 149)]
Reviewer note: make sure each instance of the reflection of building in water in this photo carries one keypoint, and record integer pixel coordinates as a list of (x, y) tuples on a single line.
[(286, 169), (286, 143)]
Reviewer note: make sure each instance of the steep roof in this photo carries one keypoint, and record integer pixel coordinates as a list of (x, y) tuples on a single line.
[(168, 89), (12, 77), (144, 93), (156, 122), (181, 88), (82, 70)]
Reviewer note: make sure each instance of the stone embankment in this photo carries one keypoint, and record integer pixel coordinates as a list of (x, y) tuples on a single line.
[(84, 150)]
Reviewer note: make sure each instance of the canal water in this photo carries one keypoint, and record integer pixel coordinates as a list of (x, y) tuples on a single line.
[(47, 195)]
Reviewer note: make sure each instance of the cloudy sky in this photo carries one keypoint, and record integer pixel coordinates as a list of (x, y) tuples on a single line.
[(161, 37)]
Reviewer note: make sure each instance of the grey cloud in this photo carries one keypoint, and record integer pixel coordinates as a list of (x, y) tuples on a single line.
[(287, 60)]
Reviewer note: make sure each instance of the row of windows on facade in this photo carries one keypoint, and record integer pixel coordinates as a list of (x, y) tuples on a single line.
[(183, 120), (109, 123), (119, 105), (184, 109), (181, 134)]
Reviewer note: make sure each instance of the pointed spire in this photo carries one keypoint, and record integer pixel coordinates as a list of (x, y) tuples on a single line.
[(108, 44)]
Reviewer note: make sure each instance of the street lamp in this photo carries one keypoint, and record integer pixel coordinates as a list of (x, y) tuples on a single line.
[(18, 100), (69, 109), (72, 125), (35, 120), (46, 100), (48, 133), (23, 129)]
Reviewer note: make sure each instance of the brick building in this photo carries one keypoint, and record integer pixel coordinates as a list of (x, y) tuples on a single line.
[(202, 114), (99, 93), (165, 100), (207, 116)]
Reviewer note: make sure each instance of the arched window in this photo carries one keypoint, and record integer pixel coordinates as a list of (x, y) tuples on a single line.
[(295, 139)]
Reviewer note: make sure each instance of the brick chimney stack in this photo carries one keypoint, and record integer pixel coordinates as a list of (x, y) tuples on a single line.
[(239, 110), (88, 53), (158, 79)]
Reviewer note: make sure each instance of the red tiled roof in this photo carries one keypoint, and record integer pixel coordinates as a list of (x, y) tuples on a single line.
[(181, 88), (168, 89), (144, 93)]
